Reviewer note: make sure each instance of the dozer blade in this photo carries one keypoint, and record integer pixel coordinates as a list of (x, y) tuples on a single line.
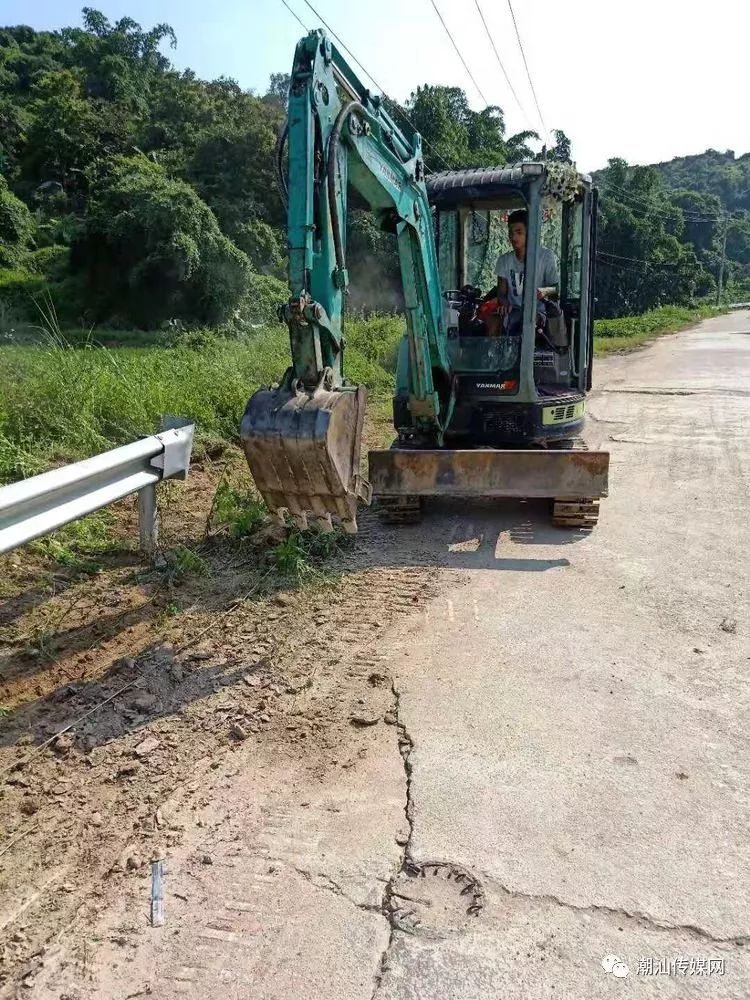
[(303, 449), (488, 473)]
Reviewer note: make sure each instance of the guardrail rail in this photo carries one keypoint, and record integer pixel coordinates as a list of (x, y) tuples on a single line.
[(41, 504)]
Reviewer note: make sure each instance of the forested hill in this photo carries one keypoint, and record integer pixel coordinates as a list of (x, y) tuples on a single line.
[(132, 193), (667, 228), (724, 175)]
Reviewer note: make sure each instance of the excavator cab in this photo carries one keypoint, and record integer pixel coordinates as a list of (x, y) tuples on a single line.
[(520, 374), (485, 405), (521, 371)]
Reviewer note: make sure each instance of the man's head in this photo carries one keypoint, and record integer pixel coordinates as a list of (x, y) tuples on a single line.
[(517, 223)]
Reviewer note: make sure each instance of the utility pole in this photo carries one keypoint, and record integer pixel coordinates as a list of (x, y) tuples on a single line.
[(720, 285)]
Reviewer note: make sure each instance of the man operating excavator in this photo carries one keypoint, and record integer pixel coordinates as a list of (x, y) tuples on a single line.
[(511, 270)]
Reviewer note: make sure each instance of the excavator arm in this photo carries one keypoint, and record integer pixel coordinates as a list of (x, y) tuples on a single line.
[(303, 437)]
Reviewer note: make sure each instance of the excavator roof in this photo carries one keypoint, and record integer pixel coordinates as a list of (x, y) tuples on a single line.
[(452, 187)]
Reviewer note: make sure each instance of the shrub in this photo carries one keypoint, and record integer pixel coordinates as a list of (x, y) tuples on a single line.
[(18, 292), (50, 262), (261, 300), (152, 250), (263, 246), (16, 227)]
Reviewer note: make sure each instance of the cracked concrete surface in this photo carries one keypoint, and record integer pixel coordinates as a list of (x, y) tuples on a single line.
[(405, 746), (581, 733)]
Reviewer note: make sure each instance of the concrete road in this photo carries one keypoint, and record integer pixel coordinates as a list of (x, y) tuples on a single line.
[(573, 784), (580, 712)]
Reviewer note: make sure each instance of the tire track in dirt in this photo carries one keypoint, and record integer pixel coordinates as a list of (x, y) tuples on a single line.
[(284, 674)]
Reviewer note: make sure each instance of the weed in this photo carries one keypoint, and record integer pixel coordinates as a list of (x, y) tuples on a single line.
[(629, 332), (302, 555), (181, 562), (4, 711), (238, 509), (67, 397), (18, 460), (45, 626)]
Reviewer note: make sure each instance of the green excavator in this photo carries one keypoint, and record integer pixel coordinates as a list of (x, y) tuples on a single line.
[(490, 396)]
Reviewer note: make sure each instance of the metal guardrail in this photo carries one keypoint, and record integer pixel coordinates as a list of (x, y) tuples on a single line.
[(41, 504)]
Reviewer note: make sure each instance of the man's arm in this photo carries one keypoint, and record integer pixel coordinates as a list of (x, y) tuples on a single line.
[(550, 278)]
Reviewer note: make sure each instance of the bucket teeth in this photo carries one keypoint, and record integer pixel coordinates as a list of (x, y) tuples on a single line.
[(303, 449)]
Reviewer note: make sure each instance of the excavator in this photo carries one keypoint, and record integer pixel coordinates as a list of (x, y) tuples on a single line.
[(487, 404)]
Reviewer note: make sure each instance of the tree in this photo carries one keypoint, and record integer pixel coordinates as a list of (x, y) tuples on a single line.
[(278, 90), (561, 151), (165, 183), (151, 250), (643, 259), (517, 146), (231, 166), (16, 228), (119, 62), (63, 137)]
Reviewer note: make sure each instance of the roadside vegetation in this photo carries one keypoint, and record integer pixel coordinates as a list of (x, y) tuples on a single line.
[(630, 332), (68, 397)]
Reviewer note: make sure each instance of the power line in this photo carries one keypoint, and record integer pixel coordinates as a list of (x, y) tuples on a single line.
[(626, 195), (458, 52), (638, 260), (655, 210), (295, 16), (528, 73), (500, 64), (344, 46), (642, 271), (394, 104)]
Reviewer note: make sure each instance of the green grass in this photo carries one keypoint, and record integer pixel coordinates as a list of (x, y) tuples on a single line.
[(630, 332), (181, 562), (237, 508), (302, 556), (60, 402), (79, 544)]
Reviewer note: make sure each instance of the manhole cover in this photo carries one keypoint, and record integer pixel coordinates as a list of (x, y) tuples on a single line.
[(434, 897)]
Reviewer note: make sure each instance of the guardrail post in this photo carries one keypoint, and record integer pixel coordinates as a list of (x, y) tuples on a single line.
[(148, 521)]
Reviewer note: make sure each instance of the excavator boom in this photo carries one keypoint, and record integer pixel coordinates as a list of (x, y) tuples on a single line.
[(302, 438)]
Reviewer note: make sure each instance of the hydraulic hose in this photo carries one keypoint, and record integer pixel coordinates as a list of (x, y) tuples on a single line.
[(333, 145), (278, 163)]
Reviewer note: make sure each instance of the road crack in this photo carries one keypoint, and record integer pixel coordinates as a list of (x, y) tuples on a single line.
[(640, 917), (655, 392), (322, 881), (405, 746)]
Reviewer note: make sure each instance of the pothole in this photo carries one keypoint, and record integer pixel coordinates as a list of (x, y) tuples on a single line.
[(434, 898)]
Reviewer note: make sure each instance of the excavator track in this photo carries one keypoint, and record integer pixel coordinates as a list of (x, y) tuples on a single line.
[(575, 512), (400, 510)]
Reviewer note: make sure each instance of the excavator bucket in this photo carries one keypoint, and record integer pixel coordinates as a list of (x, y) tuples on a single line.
[(303, 449)]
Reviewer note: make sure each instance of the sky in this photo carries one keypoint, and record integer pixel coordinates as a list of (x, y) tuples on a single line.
[(642, 79)]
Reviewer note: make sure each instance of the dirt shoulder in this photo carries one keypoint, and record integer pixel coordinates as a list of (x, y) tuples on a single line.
[(157, 681)]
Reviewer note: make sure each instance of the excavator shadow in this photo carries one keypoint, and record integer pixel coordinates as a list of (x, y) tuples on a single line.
[(471, 534)]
